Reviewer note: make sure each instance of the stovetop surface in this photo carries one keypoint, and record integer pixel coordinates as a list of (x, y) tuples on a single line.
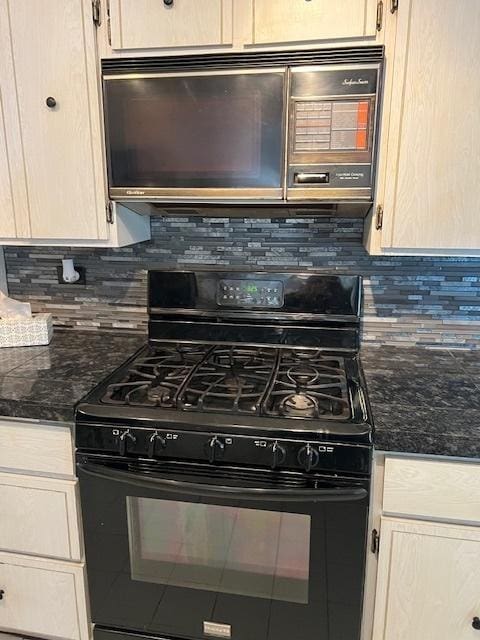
[(294, 389), (247, 379)]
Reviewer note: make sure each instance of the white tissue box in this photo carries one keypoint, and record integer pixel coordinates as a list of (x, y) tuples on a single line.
[(26, 332)]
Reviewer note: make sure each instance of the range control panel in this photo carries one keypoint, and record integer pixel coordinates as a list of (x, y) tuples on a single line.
[(218, 449), (250, 293)]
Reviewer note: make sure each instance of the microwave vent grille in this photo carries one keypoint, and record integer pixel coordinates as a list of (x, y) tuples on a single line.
[(267, 59)]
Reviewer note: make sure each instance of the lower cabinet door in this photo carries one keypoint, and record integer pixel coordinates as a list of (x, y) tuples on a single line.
[(43, 598), (34, 507), (428, 585)]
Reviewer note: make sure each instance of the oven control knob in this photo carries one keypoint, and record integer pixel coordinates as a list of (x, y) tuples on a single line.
[(308, 457), (125, 437), (278, 455), (155, 442), (215, 448)]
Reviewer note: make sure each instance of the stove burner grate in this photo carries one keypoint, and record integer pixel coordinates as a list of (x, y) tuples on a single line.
[(155, 379), (309, 384), (274, 382), (231, 379)]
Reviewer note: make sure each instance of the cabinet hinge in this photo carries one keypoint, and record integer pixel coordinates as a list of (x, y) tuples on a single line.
[(96, 13), (379, 218), (375, 542), (109, 25), (394, 6), (109, 211), (379, 15)]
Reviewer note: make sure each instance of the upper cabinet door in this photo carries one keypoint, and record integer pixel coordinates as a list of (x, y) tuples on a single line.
[(50, 101), (7, 214), (159, 24), (433, 160), (289, 21)]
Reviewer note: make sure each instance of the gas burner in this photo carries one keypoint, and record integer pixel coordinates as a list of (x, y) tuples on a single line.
[(237, 358), (305, 354), (302, 375), (159, 394), (308, 405), (154, 379), (299, 405), (233, 383), (309, 384)]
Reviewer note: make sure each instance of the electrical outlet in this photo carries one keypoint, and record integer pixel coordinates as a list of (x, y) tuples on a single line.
[(82, 280)]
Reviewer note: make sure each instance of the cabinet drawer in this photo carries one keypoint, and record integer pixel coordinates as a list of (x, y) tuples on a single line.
[(43, 598), (432, 489), (36, 447), (39, 516)]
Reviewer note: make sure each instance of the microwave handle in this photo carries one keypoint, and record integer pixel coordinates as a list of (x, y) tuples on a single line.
[(335, 494)]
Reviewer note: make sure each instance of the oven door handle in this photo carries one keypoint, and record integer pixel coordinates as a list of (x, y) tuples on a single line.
[(335, 494)]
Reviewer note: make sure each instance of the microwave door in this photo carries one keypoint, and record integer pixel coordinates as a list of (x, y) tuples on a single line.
[(197, 137)]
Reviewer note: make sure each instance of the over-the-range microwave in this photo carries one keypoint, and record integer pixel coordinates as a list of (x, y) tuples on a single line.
[(278, 128)]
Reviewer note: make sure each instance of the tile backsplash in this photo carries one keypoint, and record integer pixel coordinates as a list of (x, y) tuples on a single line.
[(407, 300)]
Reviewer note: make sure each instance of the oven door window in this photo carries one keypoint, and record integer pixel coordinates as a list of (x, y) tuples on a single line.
[(247, 552), (221, 131)]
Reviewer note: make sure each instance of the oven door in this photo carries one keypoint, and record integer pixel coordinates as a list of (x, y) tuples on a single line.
[(197, 136), (190, 551)]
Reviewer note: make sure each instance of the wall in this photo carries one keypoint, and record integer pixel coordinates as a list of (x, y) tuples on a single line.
[(428, 301)]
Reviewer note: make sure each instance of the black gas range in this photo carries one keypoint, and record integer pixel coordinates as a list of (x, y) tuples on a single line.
[(243, 423)]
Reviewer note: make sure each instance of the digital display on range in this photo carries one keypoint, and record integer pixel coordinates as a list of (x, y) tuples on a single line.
[(267, 294)]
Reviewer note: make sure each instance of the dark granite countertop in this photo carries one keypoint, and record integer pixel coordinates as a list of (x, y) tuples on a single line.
[(424, 401), (44, 383)]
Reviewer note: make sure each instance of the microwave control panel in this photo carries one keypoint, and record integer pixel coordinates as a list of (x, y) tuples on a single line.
[(332, 118), (266, 294), (331, 125)]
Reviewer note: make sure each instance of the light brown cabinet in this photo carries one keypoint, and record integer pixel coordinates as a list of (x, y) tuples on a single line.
[(428, 581), (200, 26), (29, 448), (144, 24), (287, 21), (7, 217), (427, 577), (43, 598), (429, 153), (40, 516), (42, 574), (436, 489), (52, 182)]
